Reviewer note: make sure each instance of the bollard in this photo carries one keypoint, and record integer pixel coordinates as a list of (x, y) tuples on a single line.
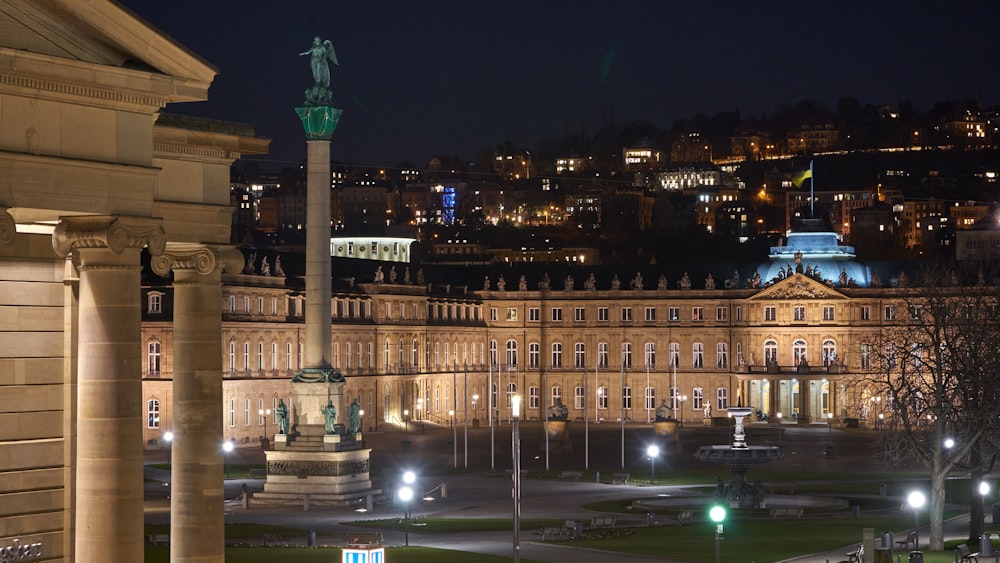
[(444, 491), (305, 503), (597, 476), (312, 538), (369, 503), (985, 545)]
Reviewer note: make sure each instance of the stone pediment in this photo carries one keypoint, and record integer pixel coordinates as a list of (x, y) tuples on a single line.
[(799, 286), (96, 33)]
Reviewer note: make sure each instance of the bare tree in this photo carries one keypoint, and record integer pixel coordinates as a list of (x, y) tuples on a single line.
[(931, 370)]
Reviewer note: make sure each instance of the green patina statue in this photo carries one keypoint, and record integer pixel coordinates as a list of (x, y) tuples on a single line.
[(354, 417), (330, 414), (321, 54), (282, 413)]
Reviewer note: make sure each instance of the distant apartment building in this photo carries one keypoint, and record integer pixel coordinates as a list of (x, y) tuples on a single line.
[(691, 147), (512, 163), (643, 156), (915, 217), (967, 130), (364, 205), (574, 164), (811, 139), (840, 204), (750, 144), (686, 177)]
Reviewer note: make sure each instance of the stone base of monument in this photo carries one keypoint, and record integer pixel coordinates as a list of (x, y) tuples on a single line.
[(558, 440), (310, 468), (668, 431)]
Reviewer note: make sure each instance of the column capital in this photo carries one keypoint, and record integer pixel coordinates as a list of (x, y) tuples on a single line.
[(8, 228), (113, 232), (202, 258)]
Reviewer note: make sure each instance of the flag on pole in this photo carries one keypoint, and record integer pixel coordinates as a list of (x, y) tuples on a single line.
[(799, 178)]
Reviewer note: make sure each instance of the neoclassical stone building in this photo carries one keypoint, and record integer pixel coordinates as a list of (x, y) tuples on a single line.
[(787, 347), (95, 182)]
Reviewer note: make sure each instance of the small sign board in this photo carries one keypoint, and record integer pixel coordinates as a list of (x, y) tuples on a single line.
[(363, 555)]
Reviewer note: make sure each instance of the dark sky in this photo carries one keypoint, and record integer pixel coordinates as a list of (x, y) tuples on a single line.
[(419, 78)]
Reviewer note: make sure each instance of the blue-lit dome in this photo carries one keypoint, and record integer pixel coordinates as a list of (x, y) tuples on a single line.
[(812, 248)]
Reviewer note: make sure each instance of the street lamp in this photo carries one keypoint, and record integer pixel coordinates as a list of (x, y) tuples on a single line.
[(652, 451), (406, 427), (718, 515), (454, 436), (406, 495), (516, 435), (227, 447), (475, 410), (264, 413), (916, 501), (168, 437)]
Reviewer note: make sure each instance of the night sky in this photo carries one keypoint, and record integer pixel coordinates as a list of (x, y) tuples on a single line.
[(418, 79)]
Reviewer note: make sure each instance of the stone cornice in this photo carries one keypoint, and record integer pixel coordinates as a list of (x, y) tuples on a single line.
[(114, 232), (36, 75), (201, 258)]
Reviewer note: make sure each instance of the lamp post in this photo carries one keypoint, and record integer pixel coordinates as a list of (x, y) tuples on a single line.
[(406, 495), (227, 447), (406, 427), (264, 413), (718, 515), (516, 435), (454, 436), (916, 501), (682, 399), (475, 409), (168, 437), (652, 451)]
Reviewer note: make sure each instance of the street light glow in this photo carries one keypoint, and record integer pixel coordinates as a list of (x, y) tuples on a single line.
[(916, 499), (984, 488), (409, 478), (717, 514), (653, 451)]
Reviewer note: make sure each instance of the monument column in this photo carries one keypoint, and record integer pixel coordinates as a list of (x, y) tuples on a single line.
[(109, 459), (196, 493)]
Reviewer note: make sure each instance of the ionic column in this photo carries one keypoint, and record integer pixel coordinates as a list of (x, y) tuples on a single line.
[(8, 228), (109, 452), (197, 531), (773, 392)]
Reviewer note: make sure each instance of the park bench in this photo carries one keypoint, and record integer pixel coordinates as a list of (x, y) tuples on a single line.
[(963, 554), (796, 512), (258, 473), (619, 478), (549, 534), (571, 475), (856, 555), (272, 538), (361, 539), (598, 522), (684, 518), (911, 540), (157, 539)]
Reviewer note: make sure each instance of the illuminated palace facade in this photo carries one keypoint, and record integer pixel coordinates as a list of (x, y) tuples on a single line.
[(787, 347)]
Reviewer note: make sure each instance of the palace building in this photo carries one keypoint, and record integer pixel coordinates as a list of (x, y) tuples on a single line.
[(785, 343)]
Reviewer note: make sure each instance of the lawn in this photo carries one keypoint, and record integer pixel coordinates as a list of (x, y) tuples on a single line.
[(161, 554)]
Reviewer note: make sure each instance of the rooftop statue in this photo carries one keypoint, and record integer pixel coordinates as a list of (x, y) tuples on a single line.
[(663, 411), (709, 282), (321, 54)]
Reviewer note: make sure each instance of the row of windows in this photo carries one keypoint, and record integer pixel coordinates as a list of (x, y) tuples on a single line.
[(603, 314), (265, 414), (603, 394), (828, 354)]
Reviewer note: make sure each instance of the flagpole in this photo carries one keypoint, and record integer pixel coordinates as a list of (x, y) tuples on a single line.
[(812, 185)]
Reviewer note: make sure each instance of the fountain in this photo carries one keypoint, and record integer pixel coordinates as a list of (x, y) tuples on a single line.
[(739, 456)]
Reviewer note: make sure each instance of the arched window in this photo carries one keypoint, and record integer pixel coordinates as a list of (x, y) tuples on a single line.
[(722, 398), (152, 413), (697, 355), (721, 355), (698, 398), (650, 355), (602, 355), (770, 352), (512, 352), (153, 359), (534, 353), (579, 356), (246, 356), (627, 355), (493, 352), (798, 352), (232, 356), (829, 352), (556, 355), (511, 391), (675, 355)]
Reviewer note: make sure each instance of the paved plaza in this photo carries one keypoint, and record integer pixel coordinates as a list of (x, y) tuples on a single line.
[(482, 490)]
